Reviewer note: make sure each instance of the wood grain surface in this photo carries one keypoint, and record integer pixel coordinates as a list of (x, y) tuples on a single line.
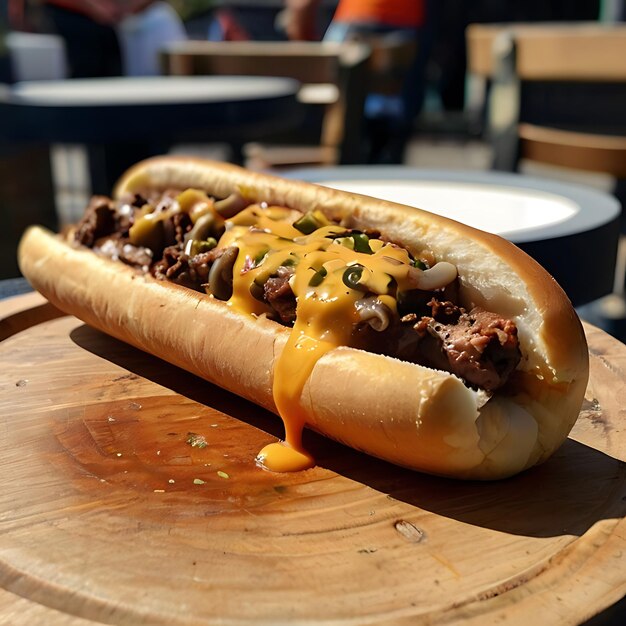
[(108, 514)]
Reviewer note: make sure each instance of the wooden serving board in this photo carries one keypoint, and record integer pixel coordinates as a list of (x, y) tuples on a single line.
[(108, 515)]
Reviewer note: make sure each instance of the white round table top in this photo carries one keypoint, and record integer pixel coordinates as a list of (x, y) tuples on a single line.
[(147, 90)]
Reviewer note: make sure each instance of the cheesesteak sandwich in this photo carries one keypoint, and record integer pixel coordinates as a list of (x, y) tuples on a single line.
[(403, 334)]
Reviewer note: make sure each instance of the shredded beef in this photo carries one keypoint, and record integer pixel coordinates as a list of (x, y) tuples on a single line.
[(278, 294), (446, 312), (172, 262), (98, 221), (200, 264), (105, 219), (479, 346), (137, 256), (192, 272), (118, 248), (175, 228), (134, 199)]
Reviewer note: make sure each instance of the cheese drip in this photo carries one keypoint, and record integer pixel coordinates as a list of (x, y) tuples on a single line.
[(329, 277)]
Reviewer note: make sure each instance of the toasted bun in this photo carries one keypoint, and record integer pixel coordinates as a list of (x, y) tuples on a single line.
[(404, 413)]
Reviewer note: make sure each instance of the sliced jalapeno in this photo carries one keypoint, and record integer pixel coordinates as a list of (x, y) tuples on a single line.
[(221, 274), (352, 275), (257, 291), (147, 232), (202, 228), (318, 277), (260, 256), (233, 204)]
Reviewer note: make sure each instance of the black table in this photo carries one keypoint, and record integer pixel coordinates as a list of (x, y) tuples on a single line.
[(126, 119), (570, 229), (13, 287)]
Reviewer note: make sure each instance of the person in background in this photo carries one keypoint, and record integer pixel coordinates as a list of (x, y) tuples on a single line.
[(88, 28), (355, 18), (389, 118)]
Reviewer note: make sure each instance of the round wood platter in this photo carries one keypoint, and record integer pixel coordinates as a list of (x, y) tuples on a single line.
[(109, 515)]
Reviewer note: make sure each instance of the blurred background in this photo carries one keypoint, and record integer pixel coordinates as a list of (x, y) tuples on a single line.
[(434, 85)]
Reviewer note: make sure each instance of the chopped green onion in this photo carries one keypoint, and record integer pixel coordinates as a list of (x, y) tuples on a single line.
[(222, 474), (420, 264)]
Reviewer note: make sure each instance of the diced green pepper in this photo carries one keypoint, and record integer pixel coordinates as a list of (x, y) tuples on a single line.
[(198, 246), (361, 243), (346, 242), (307, 224)]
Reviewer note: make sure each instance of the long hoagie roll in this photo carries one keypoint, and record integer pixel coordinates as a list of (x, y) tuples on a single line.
[(321, 337)]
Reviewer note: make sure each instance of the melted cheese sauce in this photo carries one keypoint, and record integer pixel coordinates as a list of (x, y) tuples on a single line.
[(329, 277)]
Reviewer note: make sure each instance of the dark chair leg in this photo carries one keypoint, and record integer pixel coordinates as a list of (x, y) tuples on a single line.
[(26, 197)]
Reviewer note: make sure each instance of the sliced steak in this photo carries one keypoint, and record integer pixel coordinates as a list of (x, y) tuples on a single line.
[(480, 347), (278, 294)]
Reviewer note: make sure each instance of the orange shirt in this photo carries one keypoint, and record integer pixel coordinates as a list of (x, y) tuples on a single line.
[(403, 13)]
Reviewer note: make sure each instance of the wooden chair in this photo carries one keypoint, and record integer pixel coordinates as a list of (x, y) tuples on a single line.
[(558, 96), (336, 79), (558, 93), (27, 196), (333, 92)]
